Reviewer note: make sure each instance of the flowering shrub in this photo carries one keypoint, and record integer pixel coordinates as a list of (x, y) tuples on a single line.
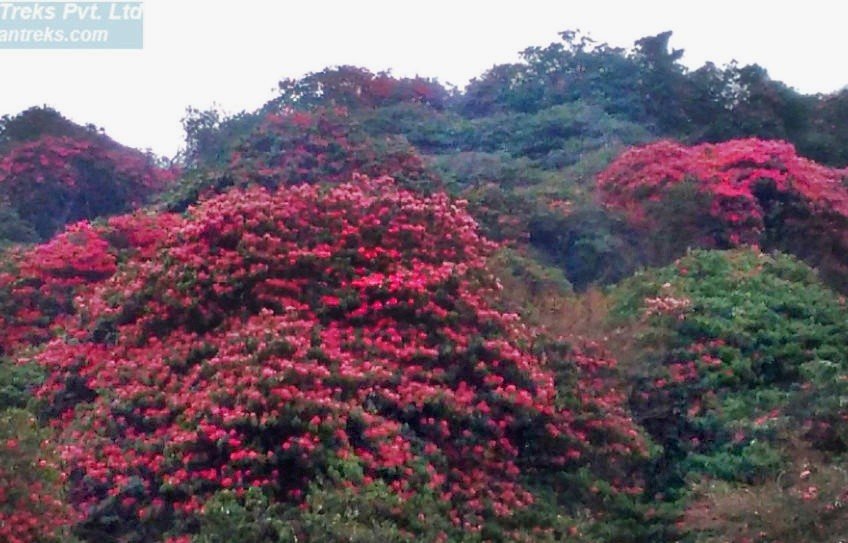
[(353, 87), (31, 502), (740, 354), (292, 147), (139, 235), (758, 193), (38, 286), (324, 145), (53, 181), (279, 333)]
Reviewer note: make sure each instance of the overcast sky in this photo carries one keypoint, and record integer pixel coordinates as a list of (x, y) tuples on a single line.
[(232, 53)]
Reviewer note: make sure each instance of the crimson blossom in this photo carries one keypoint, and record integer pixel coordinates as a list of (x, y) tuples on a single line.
[(38, 285), (57, 180), (276, 335), (757, 193)]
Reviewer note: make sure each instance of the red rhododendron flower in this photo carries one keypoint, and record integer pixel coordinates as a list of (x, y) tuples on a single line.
[(276, 334), (54, 181), (754, 186)]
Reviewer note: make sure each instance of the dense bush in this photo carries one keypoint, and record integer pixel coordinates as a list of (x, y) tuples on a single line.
[(332, 513), (307, 354), (737, 353), (353, 88), (431, 131), (749, 192), (13, 229), (294, 147), (591, 245), (37, 286), (32, 505), (53, 181), (37, 122), (555, 136), (325, 145), (277, 333)]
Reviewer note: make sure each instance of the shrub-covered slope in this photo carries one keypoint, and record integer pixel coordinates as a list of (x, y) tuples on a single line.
[(54, 173), (738, 192), (274, 337), (287, 345), (738, 368)]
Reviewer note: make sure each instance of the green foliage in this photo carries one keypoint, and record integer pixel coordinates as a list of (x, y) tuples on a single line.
[(331, 512), (821, 404), (13, 229), (752, 462), (556, 136), (352, 87), (372, 514), (469, 169), (335, 512), (734, 346), (428, 129), (560, 73), (682, 218), (36, 122), (590, 244), (530, 273), (250, 519), (16, 383), (528, 287), (194, 186), (502, 214), (211, 136), (32, 507), (827, 129)]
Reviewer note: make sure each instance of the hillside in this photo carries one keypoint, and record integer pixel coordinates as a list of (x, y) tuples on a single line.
[(591, 297)]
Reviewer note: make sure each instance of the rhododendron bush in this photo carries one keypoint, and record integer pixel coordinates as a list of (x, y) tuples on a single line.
[(277, 334), (354, 87), (291, 147), (53, 181), (739, 362), (37, 292), (38, 286), (32, 507), (755, 192), (324, 145)]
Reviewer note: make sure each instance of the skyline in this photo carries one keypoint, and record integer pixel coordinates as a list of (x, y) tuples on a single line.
[(228, 55)]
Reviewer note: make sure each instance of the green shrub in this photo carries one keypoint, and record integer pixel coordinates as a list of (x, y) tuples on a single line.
[(738, 350)]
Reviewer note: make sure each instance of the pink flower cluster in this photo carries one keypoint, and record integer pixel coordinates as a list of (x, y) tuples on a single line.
[(53, 181), (270, 335), (733, 174)]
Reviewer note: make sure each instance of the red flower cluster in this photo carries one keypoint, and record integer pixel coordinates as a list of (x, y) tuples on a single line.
[(53, 181), (743, 178), (277, 334), (38, 286)]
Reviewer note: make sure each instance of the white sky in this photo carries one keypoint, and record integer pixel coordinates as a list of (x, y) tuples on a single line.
[(232, 53)]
